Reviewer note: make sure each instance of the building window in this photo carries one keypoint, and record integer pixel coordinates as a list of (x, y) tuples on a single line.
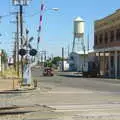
[(111, 36), (101, 38), (118, 34), (106, 37)]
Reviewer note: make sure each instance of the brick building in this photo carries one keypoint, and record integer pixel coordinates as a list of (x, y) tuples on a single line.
[(107, 44)]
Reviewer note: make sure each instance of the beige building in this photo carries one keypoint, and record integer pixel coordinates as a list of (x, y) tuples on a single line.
[(107, 44)]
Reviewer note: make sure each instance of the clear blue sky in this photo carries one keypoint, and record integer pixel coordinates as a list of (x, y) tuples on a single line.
[(57, 28)]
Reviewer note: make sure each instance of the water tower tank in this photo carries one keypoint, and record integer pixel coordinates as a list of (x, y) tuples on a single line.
[(78, 27)]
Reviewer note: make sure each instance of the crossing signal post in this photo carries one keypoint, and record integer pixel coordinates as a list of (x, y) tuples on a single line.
[(21, 3), (26, 53), (27, 65)]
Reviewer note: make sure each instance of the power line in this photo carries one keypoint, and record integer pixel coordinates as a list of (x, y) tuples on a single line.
[(7, 15), (30, 15), (33, 14)]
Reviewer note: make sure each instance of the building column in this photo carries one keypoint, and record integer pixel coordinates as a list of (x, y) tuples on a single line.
[(99, 62), (119, 64), (115, 63), (115, 35), (109, 64), (104, 63)]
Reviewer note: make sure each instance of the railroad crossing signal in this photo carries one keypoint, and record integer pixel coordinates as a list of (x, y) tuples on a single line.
[(33, 52), (23, 52)]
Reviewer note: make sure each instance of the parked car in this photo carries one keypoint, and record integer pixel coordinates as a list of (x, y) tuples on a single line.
[(48, 72)]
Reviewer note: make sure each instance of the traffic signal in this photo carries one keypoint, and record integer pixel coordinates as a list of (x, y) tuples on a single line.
[(22, 52), (33, 52)]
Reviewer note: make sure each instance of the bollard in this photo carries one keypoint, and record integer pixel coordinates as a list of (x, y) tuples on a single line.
[(13, 84), (35, 83)]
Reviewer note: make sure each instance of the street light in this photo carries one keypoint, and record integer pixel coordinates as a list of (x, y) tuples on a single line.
[(21, 2), (55, 9)]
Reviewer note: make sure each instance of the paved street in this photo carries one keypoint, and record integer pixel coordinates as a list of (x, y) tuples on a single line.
[(64, 97)]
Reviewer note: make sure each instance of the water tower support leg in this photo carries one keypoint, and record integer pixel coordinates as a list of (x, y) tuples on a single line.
[(73, 49)]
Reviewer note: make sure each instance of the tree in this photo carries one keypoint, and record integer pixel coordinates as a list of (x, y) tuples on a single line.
[(56, 60), (48, 63)]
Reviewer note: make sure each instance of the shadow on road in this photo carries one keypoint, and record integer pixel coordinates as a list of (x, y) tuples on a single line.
[(12, 92), (71, 76)]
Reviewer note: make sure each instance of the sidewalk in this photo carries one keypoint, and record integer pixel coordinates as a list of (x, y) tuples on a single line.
[(9, 80), (11, 84), (8, 84)]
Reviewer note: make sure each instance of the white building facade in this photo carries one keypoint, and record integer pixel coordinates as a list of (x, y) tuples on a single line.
[(78, 61)]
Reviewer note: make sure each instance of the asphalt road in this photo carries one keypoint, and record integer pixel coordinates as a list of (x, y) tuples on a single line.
[(81, 98), (65, 96)]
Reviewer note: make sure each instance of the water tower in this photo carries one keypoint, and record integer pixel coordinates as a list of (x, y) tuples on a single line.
[(78, 40)]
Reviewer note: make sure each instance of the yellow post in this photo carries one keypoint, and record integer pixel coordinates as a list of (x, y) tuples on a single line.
[(13, 84)]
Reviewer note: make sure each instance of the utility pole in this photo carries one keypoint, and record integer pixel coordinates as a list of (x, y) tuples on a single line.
[(21, 24), (17, 44), (1, 62), (45, 55), (21, 35), (68, 50), (21, 3), (62, 59), (88, 42), (16, 49)]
